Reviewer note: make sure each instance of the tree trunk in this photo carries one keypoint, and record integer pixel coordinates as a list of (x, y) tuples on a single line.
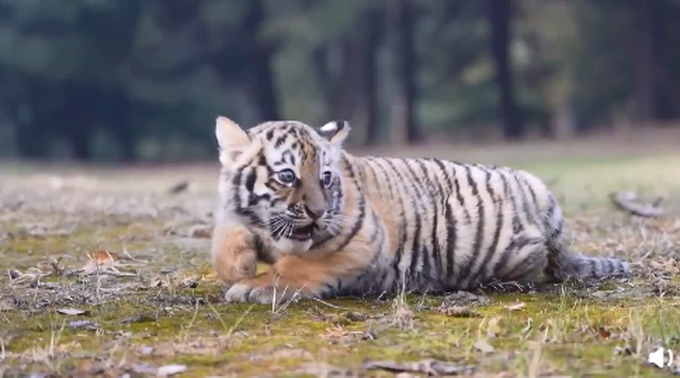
[(75, 116), (499, 17), (117, 114), (347, 93), (263, 87), (644, 60), (407, 61), (373, 21), (32, 124)]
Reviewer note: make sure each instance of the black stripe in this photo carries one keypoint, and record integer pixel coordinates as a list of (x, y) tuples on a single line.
[(262, 252), (531, 192), (359, 222), (376, 228), (447, 177), (518, 268), (436, 249), (254, 219), (497, 231), (330, 289), (510, 249), (380, 238), (434, 197), (459, 196), (250, 180), (416, 186), (451, 232), (528, 268), (525, 201), (376, 181), (402, 220), (477, 244), (610, 266), (280, 140), (510, 196)]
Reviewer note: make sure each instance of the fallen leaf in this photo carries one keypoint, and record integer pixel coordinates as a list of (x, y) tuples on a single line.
[(429, 367), (603, 332), (459, 311), (83, 324), (14, 274), (100, 260), (516, 306), (484, 346), (71, 311), (168, 370), (190, 282), (179, 187), (202, 232), (144, 367)]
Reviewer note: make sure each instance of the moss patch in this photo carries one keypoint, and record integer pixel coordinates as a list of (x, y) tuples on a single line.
[(159, 304)]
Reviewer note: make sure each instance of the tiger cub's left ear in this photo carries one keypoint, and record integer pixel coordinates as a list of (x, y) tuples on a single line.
[(232, 140), (335, 132)]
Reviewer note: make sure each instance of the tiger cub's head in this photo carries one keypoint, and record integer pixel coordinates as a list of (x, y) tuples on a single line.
[(283, 179)]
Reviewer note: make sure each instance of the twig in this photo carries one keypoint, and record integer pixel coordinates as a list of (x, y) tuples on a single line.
[(329, 304), (626, 202)]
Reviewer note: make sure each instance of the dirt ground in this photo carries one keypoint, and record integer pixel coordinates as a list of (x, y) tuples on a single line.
[(105, 272)]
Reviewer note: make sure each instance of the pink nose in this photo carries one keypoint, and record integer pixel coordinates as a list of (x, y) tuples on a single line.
[(315, 212)]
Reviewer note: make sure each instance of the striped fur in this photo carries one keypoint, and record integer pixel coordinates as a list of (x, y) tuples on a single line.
[(432, 224)]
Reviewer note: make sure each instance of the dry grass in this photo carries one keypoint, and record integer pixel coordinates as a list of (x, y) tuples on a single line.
[(150, 305)]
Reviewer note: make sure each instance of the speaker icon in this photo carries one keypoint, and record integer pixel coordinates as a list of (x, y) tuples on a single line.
[(657, 358)]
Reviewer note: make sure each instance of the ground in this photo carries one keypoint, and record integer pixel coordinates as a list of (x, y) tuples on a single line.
[(150, 304)]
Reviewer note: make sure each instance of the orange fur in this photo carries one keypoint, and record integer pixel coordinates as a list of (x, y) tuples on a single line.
[(294, 274), (234, 259)]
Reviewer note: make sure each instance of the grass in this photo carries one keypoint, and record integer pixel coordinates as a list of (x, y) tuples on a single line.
[(155, 302)]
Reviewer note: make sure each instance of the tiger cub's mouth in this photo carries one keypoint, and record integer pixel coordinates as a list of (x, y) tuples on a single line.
[(303, 233)]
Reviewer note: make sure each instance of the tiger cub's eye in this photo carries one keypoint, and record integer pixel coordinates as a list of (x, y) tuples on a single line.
[(286, 176), (327, 179)]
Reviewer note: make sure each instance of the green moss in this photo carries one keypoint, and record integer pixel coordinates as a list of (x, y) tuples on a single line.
[(572, 332)]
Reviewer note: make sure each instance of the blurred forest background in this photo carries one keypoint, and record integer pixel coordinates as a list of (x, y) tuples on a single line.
[(143, 80)]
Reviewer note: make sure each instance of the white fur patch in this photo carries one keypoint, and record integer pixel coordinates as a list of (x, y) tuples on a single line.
[(330, 126)]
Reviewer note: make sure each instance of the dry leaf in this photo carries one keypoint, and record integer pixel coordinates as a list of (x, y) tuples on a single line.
[(83, 324), (459, 311), (516, 306), (603, 332), (100, 260), (179, 187), (168, 370), (484, 346), (202, 232), (71, 311), (14, 274)]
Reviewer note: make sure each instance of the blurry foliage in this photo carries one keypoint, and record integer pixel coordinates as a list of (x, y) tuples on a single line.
[(129, 79)]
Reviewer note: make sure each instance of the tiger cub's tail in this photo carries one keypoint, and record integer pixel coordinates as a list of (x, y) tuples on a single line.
[(576, 265)]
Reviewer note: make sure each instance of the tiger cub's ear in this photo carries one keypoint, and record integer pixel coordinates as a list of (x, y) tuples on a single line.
[(335, 131), (231, 138)]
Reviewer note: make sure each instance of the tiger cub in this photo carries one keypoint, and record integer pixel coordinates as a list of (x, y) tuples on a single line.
[(330, 223)]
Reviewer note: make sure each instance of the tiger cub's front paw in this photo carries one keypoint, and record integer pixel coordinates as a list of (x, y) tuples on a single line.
[(234, 258), (266, 288)]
